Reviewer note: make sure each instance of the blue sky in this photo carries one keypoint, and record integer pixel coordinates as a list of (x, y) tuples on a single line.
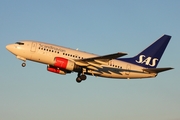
[(97, 26)]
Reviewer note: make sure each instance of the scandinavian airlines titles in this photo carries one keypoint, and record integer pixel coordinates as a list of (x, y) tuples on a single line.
[(148, 61)]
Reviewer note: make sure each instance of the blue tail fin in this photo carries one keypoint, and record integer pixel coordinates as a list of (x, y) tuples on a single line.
[(150, 57)]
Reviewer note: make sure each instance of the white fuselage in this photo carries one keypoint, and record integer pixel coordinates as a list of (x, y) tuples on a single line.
[(45, 53)]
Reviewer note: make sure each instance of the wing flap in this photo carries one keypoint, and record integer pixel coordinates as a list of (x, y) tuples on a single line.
[(95, 64)]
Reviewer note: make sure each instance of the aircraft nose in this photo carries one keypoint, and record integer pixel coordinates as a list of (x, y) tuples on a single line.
[(9, 47)]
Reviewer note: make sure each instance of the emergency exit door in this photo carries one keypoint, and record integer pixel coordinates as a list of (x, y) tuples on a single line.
[(128, 67), (33, 47)]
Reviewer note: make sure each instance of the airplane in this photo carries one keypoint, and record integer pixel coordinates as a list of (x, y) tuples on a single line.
[(63, 60)]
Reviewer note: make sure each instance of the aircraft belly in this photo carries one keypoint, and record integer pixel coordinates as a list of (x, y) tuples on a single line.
[(125, 76)]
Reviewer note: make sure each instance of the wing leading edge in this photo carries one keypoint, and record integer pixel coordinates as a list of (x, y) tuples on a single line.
[(99, 60)]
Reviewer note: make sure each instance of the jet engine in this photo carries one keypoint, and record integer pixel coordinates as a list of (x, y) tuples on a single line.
[(65, 64)]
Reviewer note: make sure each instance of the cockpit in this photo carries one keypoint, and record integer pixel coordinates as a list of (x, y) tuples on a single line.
[(19, 43)]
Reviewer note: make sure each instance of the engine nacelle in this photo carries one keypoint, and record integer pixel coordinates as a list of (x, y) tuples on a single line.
[(55, 70), (64, 64)]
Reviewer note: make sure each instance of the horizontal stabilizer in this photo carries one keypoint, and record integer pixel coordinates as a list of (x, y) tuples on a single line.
[(157, 70)]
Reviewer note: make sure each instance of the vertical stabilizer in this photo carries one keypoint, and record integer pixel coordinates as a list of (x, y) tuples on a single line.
[(150, 57)]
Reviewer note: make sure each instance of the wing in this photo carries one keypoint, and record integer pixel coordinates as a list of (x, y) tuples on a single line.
[(98, 61)]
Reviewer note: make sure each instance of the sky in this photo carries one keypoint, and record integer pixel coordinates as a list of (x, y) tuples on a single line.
[(96, 26)]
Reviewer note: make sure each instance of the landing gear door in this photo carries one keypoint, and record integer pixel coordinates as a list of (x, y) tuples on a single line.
[(33, 47)]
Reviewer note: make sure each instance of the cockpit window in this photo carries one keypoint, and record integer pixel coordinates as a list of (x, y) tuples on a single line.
[(19, 43)]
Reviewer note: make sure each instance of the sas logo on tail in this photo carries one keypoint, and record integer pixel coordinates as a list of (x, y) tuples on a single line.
[(147, 60)]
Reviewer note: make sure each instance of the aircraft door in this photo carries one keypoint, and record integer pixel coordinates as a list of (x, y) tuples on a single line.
[(128, 67), (33, 47)]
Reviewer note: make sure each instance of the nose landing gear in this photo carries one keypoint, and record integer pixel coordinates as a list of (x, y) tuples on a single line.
[(23, 64), (23, 59)]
